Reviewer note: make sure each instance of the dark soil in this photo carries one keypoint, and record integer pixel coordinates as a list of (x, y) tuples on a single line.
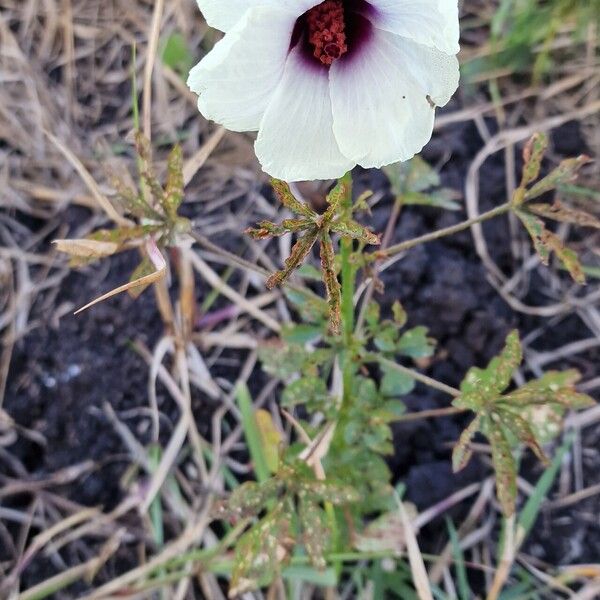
[(61, 376)]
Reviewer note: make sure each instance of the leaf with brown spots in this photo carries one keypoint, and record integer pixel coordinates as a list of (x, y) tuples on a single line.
[(285, 196), (559, 212), (566, 172), (461, 454), (546, 242), (533, 154), (332, 285), (505, 468), (299, 252)]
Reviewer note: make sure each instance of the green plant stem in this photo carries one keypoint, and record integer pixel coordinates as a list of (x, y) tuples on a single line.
[(435, 235), (348, 285), (434, 383)]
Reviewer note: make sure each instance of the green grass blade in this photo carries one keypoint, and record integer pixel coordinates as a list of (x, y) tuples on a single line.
[(253, 438), (464, 592), (532, 506)]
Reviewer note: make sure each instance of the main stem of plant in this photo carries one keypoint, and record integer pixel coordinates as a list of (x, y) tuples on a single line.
[(348, 285)]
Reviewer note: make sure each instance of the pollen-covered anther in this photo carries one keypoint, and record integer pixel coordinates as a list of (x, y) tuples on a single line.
[(327, 31)]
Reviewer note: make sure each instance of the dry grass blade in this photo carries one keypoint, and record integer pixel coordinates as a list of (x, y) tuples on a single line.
[(90, 182), (196, 162), (217, 283), (417, 566), (159, 264)]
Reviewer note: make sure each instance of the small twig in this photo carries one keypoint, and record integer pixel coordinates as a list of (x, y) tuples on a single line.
[(440, 233), (429, 414), (150, 60), (429, 381)]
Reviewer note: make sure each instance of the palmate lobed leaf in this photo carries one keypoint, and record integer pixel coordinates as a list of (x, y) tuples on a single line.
[(504, 467), (482, 386), (544, 241), (529, 414)]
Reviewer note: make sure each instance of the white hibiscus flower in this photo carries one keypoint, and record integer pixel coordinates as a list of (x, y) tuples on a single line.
[(329, 85)]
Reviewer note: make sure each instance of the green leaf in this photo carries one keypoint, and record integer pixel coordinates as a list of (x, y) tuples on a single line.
[(443, 198), (505, 468), (309, 272), (372, 315), (522, 430), (270, 438), (462, 452), (546, 242), (536, 229), (266, 230), (564, 214), (567, 257), (176, 54), (481, 385), (250, 498), (415, 343), (553, 386), (400, 316), (258, 554), (421, 175), (285, 196), (386, 338), (356, 231), (314, 532), (311, 391), (532, 155), (252, 433), (566, 172), (325, 491), (311, 307), (335, 198), (395, 383), (300, 334), (412, 176), (282, 360)]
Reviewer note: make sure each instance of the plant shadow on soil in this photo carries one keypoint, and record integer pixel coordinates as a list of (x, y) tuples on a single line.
[(61, 377)]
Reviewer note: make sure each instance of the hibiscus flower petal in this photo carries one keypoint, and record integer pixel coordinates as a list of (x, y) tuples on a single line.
[(429, 22), (381, 98), (296, 140), (237, 79), (224, 14)]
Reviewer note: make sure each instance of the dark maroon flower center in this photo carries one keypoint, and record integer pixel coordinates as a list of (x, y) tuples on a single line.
[(327, 31), (332, 30)]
